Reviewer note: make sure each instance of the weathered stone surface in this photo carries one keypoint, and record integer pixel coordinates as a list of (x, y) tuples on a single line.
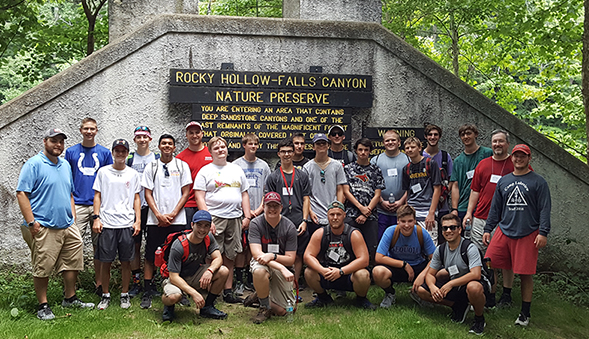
[(333, 10), (125, 84)]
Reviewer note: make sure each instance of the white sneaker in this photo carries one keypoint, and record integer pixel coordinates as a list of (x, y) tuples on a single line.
[(388, 301), (104, 302), (125, 300), (522, 320)]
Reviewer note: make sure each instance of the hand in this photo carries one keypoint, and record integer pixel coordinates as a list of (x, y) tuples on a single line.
[(97, 226), (467, 216), (486, 238), (213, 228), (205, 280), (418, 282), (331, 274), (35, 229), (314, 217), (162, 220), (288, 276), (430, 221), (198, 300), (245, 223), (455, 212), (265, 258), (302, 228), (446, 288), (365, 211), (395, 205), (136, 227), (361, 220), (540, 241), (387, 206), (410, 272), (436, 294)]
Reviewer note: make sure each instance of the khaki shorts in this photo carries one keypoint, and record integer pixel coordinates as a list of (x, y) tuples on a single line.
[(281, 291), (84, 221), (193, 281), (433, 233), (228, 236), (55, 248), (476, 233)]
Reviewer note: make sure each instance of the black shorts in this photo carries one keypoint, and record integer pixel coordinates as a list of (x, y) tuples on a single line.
[(456, 294), (399, 275), (115, 240), (302, 242), (156, 236), (343, 283), (139, 237)]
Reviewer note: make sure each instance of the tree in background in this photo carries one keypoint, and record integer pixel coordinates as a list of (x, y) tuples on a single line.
[(255, 8)]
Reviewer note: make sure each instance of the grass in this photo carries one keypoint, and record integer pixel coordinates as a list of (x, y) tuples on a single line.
[(552, 317)]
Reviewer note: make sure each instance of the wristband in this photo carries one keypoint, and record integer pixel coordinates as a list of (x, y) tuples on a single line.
[(275, 256), (404, 264), (210, 270)]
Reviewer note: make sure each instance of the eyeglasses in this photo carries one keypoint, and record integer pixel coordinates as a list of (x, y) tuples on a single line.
[(322, 173), (451, 228), (336, 134), (142, 128), (286, 152), (166, 172)]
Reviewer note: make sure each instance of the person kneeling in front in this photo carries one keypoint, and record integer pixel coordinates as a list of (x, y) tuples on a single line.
[(337, 258), (189, 272)]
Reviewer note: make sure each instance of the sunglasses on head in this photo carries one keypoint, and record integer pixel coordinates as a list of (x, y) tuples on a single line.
[(142, 128), (322, 173), (451, 228), (337, 134)]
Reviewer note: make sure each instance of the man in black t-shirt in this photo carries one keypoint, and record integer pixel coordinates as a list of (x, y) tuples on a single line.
[(186, 276), (337, 150)]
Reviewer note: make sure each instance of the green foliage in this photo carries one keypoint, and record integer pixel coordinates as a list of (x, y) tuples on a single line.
[(569, 287), (255, 8)]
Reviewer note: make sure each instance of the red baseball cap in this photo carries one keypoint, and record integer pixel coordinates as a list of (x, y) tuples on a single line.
[(272, 197), (521, 148)]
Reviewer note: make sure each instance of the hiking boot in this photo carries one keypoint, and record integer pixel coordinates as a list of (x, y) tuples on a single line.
[(168, 314), (505, 301), (212, 312), (76, 303), (459, 312), (184, 301), (45, 313), (317, 302), (388, 301), (239, 288), (419, 301), (125, 301), (135, 290), (478, 327), (104, 302), (251, 300), (230, 298), (263, 314), (522, 320), (146, 301), (365, 304)]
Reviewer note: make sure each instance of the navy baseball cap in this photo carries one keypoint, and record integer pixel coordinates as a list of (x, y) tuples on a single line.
[(120, 142), (202, 215), (320, 137)]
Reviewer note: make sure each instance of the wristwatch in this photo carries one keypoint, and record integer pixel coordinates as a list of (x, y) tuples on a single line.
[(95, 216), (32, 223), (404, 264), (341, 272)]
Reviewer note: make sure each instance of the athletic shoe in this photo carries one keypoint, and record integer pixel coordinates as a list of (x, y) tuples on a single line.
[(168, 314), (135, 290), (522, 320), (212, 312), (299, 299), (184, 301), (490, 303), (263, 314), (125, 301), (505, 301), (239, 288), (365, 304), (419, 301), (251, 300), (459, 312), (478, 327), (76, 303), (146, 300), (388, 301), (98, 291), (340, 294), (230, 298), (248, 286), (317, 303), (104, 302), (45, 313)]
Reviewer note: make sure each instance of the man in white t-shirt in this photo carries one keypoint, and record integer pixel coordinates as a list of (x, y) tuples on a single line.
[(167, 184), (221, 188), (117, 218)]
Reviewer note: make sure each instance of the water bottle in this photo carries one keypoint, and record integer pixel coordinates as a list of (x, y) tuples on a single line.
[(467, 228), (391, 198), (289, 312), (159, 257)]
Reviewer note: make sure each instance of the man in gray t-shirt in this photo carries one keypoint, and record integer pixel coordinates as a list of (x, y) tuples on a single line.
[(464, 284)]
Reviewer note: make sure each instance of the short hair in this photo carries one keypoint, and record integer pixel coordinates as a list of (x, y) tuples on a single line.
[(285, 143), (88, 119), (391, 131), (497, 131), (467, 127), (430, 127), (249, 137), (412, 140), (167, 136), (214, 140), (448, 217), (298, 135), (364, 142), (404, 211)]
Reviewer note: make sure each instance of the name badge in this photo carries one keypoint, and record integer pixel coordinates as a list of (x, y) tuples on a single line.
[(470, 174), (453, 270), (166, 182), (333, 256), (273, 248), (416, 188), (251, 182), (285, 191), (495, 178), (392, 172)]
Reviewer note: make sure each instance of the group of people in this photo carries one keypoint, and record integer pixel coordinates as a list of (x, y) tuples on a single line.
[(349, 218)]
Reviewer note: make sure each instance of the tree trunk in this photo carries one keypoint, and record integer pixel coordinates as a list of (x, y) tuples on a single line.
[(455, 48), (585, 72), (90, 41)]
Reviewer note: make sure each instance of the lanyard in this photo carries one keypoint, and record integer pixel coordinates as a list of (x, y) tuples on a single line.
[(288, 189), (493, 162)]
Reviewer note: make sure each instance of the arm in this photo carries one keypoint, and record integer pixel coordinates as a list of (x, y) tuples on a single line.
[(306, 209), (97, 224), (312, 251), (455, 197), (73, 206), (162, 220), (361, 253), (431, 216), (545, 204), (27, 212), (245, 207), (207, 277), (430, 280), (340, 194), (179, 282), (420, 279), (137, 208), (280, 263), (384, 260), (185, 193), (495, 213), (473, 275), (199, 196), (472, 203)]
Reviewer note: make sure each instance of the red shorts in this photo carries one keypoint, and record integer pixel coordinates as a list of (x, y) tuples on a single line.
[(519, 255)]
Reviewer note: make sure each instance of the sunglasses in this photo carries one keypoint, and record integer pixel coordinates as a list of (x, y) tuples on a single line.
[(322, 173), (336, 134), (142, 128), (166, 172), (451, 228)]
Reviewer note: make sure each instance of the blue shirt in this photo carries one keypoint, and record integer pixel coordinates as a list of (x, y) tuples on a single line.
[(85, 162), (50, 187), (406, 248)]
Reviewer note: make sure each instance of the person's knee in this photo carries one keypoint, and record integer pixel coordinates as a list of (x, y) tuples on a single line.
[(422, 292), (474, 288), (260, 274), (311, 274), (379, 273), (361, 276), (223, 272), (171, 299)]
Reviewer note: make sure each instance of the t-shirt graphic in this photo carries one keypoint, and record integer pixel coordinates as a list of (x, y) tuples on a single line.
[(89, 171), (336, 253), (516, 198)]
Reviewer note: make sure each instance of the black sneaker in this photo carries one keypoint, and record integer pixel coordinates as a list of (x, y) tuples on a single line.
[(248, 286), (98, 291), (251, 300), (146, 300), (505, 301), (522, 320), (318, 303), (340, 294), (184, 301), (212, 312), (135, 290), (490, 303), (365, 304), (478, 327), (459, 311), (168, 314), (45, 313), (230, 298)]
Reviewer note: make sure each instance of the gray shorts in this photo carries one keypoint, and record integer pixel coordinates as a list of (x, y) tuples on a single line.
[(115, 240), (228, 236)]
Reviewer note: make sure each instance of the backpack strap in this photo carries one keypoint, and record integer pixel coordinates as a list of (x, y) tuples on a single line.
[(464, 250), (154, 168), (445, 161), (157, 155), (130, 159), (396, 235)]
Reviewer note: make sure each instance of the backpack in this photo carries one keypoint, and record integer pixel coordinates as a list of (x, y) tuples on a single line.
[(132, 156), (163, 253), (397, 234), (346, 239), (487, 274), (427, 167), (445, 180)]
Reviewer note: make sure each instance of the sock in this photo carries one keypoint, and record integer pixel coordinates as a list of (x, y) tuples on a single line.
[(70, 299), (147, 284), (226, 291), (42, 306), (479, 318), (210, 300), (250, 278), (526, 308), (239, 274), (265, 302), (106, 295), (124, 294), (389, 289), (507, 291)]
